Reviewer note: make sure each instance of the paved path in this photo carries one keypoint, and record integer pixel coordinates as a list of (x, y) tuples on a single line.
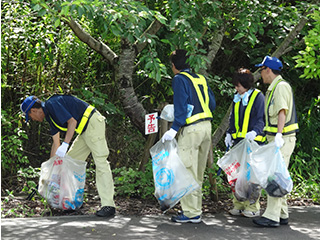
[(304, 224)]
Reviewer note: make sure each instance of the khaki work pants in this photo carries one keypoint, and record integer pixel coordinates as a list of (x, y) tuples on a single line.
[(93, 140), (246, 205), (277, 207), (194, 142)]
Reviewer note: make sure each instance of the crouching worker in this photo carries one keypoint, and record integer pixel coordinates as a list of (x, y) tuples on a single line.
[(66, 113)]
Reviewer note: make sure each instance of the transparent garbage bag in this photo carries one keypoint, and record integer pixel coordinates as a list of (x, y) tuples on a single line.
[(235, 163), (167, 112), (270, 170), (244, 189), (62, 182), (235, 160), (171, 178)]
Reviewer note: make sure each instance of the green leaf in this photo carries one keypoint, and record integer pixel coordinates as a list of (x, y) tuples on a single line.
[(238, 36)]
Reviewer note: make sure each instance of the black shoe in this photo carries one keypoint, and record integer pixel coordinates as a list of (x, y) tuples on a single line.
[(284, 221), (265, 222), (106, 212)]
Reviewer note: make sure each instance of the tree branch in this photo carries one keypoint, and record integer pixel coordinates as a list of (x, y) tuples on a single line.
[(96, 45), (152, 30)]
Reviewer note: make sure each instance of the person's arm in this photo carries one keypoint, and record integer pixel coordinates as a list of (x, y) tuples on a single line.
[(62, 150), (281, 120), (72, 124), (55, 144)]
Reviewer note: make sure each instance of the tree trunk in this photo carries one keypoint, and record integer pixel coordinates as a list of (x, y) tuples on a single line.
[(132, 107)]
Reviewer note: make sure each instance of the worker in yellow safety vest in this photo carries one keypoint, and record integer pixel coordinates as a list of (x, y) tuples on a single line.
[(246, 121), (66, 113), (194, 103), (281, 127)]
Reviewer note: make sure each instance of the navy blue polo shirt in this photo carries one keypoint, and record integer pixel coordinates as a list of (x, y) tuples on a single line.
[(61, 108), (183, 94)]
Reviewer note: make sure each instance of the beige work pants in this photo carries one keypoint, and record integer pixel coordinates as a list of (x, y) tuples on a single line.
[(194, 142), (93, 140), (277, 207)]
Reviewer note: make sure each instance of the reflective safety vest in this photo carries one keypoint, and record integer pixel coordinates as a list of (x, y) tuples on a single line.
[(83, 121), (242, 133), (289, 127), (204, 102)]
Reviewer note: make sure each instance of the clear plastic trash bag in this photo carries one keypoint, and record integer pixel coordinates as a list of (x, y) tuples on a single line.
[(270, 170), (62, 182), (171, 178)]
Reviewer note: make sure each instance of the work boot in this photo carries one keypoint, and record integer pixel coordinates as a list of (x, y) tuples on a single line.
[(106, 211)]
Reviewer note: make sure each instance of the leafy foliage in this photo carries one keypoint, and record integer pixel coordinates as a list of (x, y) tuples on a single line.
[(309, 58)]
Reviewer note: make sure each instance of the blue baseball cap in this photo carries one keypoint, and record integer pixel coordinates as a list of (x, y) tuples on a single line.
[(27, 104), (271, 62)]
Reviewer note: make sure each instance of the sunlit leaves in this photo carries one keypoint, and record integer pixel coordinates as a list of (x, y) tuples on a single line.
[(309, 58)]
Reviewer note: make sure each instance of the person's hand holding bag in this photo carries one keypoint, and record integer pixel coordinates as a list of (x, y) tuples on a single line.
[(279, 140), (251, 135), (169, 135), (62, 150)]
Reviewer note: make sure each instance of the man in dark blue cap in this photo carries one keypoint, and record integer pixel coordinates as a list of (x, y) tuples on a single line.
[(66, 113), (281, 127)]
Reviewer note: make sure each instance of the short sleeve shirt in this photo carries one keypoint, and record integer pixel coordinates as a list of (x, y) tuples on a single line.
[(282, 99), (60, 108)]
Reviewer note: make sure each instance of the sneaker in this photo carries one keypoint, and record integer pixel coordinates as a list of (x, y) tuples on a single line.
[(106, 212), (235, 212), (250, 214), (181, 218)]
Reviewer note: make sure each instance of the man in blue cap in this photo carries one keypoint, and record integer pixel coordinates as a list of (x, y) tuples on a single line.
[(66, 113), (281, 127)]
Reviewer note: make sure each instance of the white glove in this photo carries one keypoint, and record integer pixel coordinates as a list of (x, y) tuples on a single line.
[(279, 140), (251, 135), (228, 140), (62, 150), (169, 135)]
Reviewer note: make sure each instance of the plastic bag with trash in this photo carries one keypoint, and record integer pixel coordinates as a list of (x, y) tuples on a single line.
[(171, 178), (62, 182)]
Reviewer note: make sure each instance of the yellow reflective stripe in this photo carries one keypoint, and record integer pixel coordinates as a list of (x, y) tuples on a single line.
[(260, 138), (83, 121), (197, 117), (236, 119), (246, 118), (245, 123), (286, 129), (204, 102), (61, 128), (268, 102)]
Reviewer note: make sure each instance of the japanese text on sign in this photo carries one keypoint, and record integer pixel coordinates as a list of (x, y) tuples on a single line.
[(151, 123)]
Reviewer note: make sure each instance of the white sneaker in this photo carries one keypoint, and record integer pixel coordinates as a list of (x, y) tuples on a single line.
[(250, 214), (235, 212)]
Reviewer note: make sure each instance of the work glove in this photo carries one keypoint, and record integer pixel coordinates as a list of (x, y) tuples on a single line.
[(251, 135), (169, 135), (279, 140), (62, 150), (228, 140)]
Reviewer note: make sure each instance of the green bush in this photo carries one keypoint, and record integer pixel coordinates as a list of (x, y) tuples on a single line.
[(132, 183), (12, 138)]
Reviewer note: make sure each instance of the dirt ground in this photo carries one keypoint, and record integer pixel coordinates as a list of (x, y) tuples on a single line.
[(18, 206)]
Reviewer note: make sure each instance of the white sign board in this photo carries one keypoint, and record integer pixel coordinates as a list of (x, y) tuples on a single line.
[(151, 123)]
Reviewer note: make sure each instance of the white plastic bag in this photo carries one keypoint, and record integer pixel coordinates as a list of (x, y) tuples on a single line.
[(62, 182), (167, 112), (172, 179), (235, 163), (270, 170)]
